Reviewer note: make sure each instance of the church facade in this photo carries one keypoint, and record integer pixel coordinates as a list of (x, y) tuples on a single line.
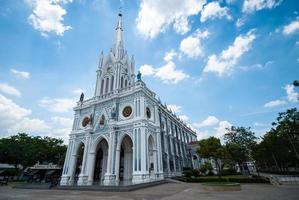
[(124, 133)]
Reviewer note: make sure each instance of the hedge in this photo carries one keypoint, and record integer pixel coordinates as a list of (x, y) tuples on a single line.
[(223, 179)]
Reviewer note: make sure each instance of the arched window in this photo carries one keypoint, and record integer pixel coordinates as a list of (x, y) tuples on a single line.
[(121, 82), (111, 84), (126, 83), (102, 86), (107, 85)]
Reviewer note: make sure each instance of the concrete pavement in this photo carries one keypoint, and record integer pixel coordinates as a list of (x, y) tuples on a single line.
[(175, 191)]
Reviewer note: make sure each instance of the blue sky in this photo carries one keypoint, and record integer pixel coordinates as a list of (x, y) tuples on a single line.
[(215, 63)]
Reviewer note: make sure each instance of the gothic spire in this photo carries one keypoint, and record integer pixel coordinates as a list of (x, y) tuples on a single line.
[(118, 31)]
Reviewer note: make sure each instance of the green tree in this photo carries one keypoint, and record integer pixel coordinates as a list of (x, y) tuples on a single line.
[(205, 168), (27, 150), (279, 147), (211, 148), (287, 124), (239, 142)]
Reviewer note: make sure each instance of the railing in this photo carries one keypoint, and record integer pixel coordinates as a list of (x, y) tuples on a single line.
[(115, 92)]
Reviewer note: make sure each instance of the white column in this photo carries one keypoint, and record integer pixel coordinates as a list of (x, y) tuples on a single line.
[(72, 168), (65, 177), (159, 156), (142, 175), (90, 167), (109, 176), (84, 176), (117, 157)]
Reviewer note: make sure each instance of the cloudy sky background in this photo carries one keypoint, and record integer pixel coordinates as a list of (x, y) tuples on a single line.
[(214, 63)]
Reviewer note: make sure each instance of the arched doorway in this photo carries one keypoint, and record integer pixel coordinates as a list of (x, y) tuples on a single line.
[(126, 159), (80, 153), (151, 156), (100, 161)]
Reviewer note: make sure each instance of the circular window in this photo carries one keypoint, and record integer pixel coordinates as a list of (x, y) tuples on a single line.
[(85, 121), (102, 120), (127, 111), (148, 113)]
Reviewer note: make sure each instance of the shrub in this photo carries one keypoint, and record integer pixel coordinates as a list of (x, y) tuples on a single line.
[(211, 173), (226, 172), (187, 173), (206, 168), (195, 172), (230, 179)]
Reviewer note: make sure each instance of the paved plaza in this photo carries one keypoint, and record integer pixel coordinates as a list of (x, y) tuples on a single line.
[(179, 191)]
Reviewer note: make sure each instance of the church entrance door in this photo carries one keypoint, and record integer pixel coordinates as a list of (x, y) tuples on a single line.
[(100, 161), (126, 159)]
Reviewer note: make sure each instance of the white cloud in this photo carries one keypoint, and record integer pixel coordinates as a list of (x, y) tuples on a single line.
[(20, 74), (155, 16), (274, 103), (209, 121), (28, 125), (258, 66), (174, 108), (218, 128), (214, 10), (184, 117), (240, 22), (181, 25), (291, 27), (167, 73), (62, 133), (5, 88), (62, 121), (250, 6), (292, 97), (77, 91), (9, 111), (169, 56), (191, 46), (221, 129), (177, 109), (14, 118), (224, 63), (146, 70), (57, 104), (47, 16), (291, 94)]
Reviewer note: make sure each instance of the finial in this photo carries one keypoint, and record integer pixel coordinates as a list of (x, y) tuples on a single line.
[(119, 11)]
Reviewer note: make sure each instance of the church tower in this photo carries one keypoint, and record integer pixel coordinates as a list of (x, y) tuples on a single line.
[(115, 70)]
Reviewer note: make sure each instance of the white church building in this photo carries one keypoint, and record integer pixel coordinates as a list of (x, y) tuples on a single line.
[(124, 133)]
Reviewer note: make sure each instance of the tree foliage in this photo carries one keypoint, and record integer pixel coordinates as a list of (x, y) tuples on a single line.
[(239, 142), (28, 150), (211, 148), (279, 147)]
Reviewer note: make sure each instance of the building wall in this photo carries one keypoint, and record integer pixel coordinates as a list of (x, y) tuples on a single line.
[(159, 141)]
